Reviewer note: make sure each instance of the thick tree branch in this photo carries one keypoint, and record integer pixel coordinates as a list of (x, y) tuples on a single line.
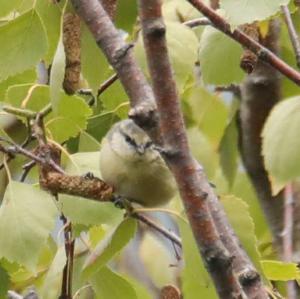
[(260, 92), (133, 103), (262, 52), (192, 183), (120, 56)]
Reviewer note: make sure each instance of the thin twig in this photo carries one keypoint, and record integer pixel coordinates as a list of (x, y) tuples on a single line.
[(107, 84), (292, 32), (26, 169), (66, 288), (262, 52), (15, 148), (149, 222), (197, 22), (287, 235)]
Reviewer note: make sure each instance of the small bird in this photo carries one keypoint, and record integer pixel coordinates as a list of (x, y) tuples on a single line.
[(130, 162)]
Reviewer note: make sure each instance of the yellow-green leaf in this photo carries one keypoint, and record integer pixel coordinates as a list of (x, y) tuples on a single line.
[(23, 43)]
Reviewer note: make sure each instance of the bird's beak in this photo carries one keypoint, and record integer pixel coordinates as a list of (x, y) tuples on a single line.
[(140, 149)]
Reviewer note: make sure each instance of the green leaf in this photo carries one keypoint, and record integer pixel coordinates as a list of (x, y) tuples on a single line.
[(72, 120), (95, 68), (99, 125), (219, 58), (58, 68), (275, 270), (207, 111), (28, 76), (9, 6), (111, 245), (126, 15), (196, 282), (87, 212), (17, 38), (229, 152), (287, 53), (244, 11), (35, 97), (32, 97), (52, 281), (27, 216), (108, 284), (281, 144), (183, 50), (243, 225), (87, 143), (116, 100), (203, 151), (57, 75), (50, 14), (243, 188), (179, 11), (5, 282)]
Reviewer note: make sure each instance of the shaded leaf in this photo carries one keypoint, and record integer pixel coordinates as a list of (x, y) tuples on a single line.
[(52, 281), (5, 282), (27, 216), (241, 221), (108, 284), (95, 68), (219, 58), (87, 212), (196, 282), (207, 111), (229, 152), (183, 51), (111, 245)]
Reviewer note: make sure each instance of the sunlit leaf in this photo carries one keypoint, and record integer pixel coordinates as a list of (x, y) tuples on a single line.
[(281, 144), (50, 14), (27, 216), (58, 69), (251, 10), (275, 270), (17, 38)]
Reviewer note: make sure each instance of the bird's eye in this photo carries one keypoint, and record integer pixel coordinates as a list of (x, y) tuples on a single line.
[(130, 140), (148, 144)]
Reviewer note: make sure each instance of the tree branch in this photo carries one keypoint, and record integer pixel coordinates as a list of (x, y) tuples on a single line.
[(192, 183), (263, 53), (120, 56), (292, 32), (260, 92)]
